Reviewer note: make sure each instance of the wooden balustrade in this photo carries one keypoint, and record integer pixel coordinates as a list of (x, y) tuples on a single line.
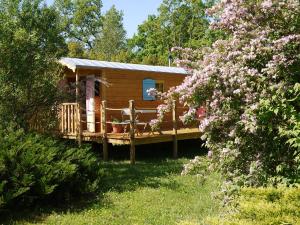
[(70, 118), (71, 125)]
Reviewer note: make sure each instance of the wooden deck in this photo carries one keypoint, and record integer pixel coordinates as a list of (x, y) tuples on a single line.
[(145, 138), (71, 128)]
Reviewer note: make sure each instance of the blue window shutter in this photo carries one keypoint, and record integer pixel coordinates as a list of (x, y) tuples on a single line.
[(147, 84)]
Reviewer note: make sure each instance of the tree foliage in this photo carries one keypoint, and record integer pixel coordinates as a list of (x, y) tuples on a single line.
[(30, 42), (81, 20), (112, 38), (178, 23)]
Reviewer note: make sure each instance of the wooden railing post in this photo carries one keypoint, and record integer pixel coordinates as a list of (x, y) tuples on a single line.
[(79, 125), (71, 113), (104, 130), (77, 88), (65, 119), (132, 131), (175, 143)]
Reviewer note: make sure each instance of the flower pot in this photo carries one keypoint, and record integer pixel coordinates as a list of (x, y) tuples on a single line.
[(116, 128), (201, 112)]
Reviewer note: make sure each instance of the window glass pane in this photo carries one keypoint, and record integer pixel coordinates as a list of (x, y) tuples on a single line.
[(159, 86), (147, 84), (97, 88)]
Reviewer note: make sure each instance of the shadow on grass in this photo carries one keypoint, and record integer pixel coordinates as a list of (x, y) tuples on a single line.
[(154, 168), (161, 151), (153, 162)]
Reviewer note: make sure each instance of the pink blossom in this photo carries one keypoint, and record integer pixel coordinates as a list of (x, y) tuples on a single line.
[(152, 92), (209, 154), (267, 4)]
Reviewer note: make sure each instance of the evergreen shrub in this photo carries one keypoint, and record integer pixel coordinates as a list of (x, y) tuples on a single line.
[(36, 167)]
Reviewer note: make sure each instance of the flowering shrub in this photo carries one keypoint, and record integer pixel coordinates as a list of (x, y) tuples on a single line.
[(251, 81), (152, 92)]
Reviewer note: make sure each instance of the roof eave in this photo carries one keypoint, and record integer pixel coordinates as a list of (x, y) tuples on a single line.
[(74, 67), (70, 66)]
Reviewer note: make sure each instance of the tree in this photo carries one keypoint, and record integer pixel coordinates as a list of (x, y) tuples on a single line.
[(112, 38), (251, 81), (178, 23), (151, 44), (76, 50), (31, 42), (81, 20)]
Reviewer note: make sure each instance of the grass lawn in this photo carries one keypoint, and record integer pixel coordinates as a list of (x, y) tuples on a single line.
[(151, 192)]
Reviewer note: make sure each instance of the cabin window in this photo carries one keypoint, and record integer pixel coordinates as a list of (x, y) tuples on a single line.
[(159, 85), (147, 84), (150, 83)]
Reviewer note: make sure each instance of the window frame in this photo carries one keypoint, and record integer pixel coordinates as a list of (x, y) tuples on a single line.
[(160, 82)]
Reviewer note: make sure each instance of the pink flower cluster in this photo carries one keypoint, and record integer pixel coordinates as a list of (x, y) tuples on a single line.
[(152, 92)]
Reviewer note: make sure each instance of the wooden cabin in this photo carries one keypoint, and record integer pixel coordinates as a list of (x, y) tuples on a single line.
[(109, 93)]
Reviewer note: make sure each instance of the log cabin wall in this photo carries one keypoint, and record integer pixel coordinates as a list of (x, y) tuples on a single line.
[(125, 85)]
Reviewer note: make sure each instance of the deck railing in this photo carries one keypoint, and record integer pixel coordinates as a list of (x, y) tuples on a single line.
[(70, 118), (133, 127), (71, 124), (73, 119)]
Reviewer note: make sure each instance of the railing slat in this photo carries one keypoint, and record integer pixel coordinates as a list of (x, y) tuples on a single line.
[(72, 119), (65, 118), (79, 138), (61, 119), (68, 116)]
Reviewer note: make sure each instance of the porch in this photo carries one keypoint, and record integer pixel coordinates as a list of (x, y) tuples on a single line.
[(74, 125)]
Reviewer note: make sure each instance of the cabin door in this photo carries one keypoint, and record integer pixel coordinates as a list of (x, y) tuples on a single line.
[(90, 103)]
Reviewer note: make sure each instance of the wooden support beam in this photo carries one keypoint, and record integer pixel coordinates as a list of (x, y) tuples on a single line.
[(77, 84), (132, 131), (79, 125), (104, 130), (175, 142)]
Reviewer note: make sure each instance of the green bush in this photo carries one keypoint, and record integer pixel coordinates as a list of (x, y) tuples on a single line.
[(35, 167), (264, 206)]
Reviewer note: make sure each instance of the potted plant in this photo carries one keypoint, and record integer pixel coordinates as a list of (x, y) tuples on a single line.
[(116, 126)]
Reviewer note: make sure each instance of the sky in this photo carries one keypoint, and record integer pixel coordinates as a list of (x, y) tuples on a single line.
[(135, 11)]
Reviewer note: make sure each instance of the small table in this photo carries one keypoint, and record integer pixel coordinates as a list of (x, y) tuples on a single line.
[(126, 112)]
